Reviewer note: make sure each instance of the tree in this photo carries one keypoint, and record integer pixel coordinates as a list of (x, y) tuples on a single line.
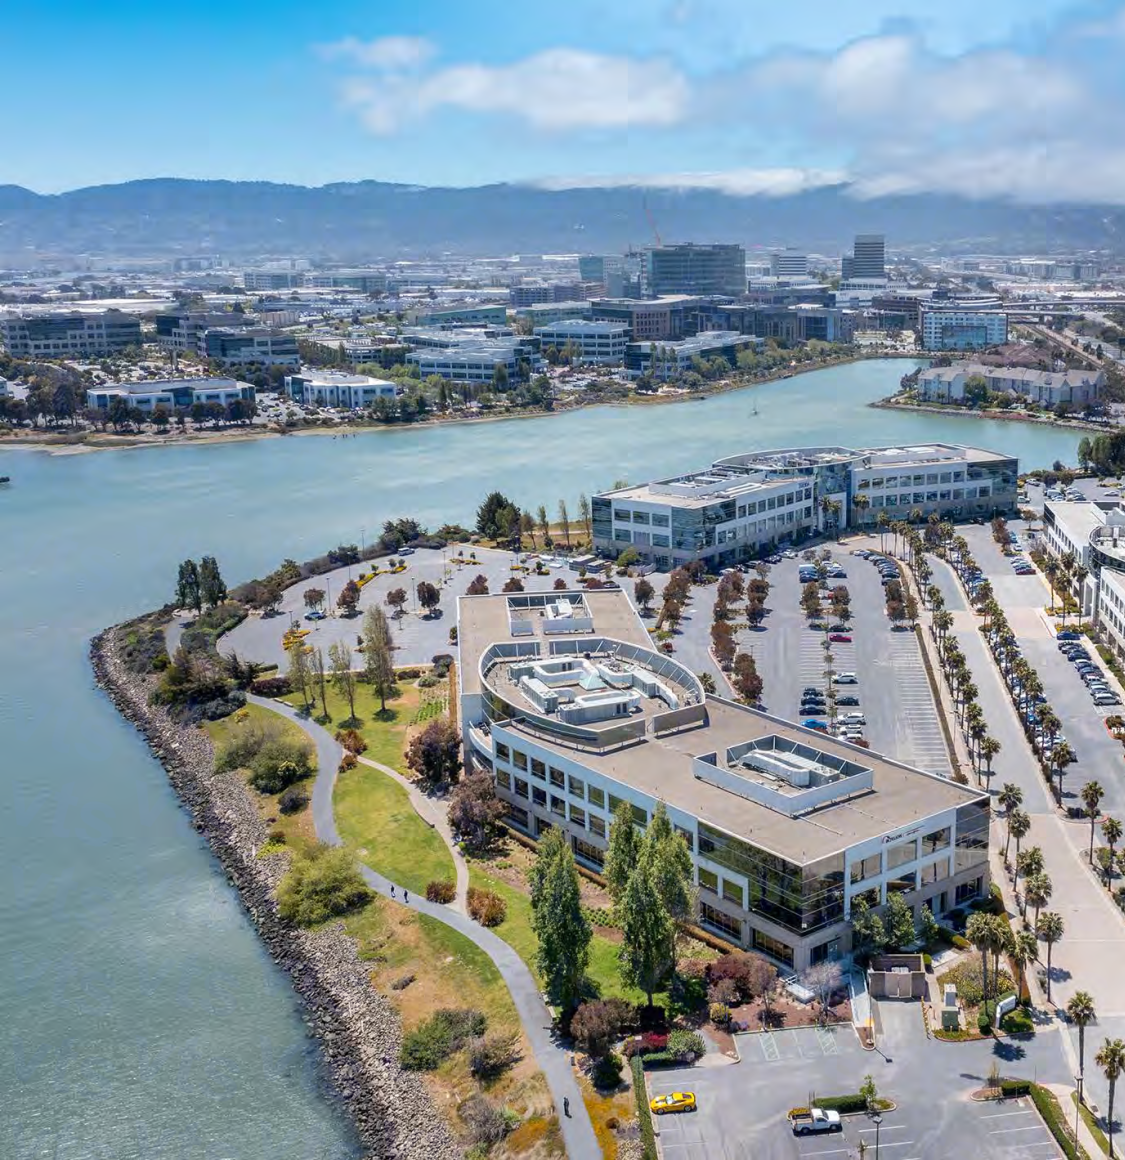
[(927, 928), (1082, 1013), (823, 980), (513, 584), (584, 516), (746, 681), (1111, 1059), (647, 934), (1037, 891), (314, 598), (496, 514), (299, 671), (378, 657), (1025, 950), (499, 378), (644, 594), (562, 930), (623, 852), (722, 642), (1050, 929), (755, 612), (672, 867), (564, 521), (429, 596), (478, 586), (475, 810), (527, 527), (1009, 797), (868, 934), (988, 749), (343, 678), (319, 678), (348, 599), (898, 922), (1062, 756), (1092, 794), (981, 933), (1111, 831), (396, 601), (435, 753), (1019, 826), (544, 524), (187, 587), (212, 590)]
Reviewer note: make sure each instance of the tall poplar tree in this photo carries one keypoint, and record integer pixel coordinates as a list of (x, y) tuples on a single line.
[(624, 850), (647, 932), (378, 659), (563, 933)]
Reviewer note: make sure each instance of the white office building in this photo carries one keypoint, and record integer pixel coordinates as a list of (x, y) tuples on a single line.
[(565, 704), (960, 329), (172, 393), (336, 389), (71, 334), (594, 342), (474, 362)]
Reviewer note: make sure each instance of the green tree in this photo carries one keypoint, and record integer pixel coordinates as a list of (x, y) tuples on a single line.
[(187, 586), (584, 516), (1025, 950), (212, 590), (343, 678), (1037, 891), (1092, 794), (898, 922), (623, 852), (981, 933), (673, 870), (429, 596), (564, 521), (493, 511), (1050, 928), (869, 936), (320, 886), (1111, 1059), (544, 523), (562, 930), (1019, 826), (500, 378), (378, 658), (1082, 1013), (647, 932), (319, 674), (299, 675), (1111, 831)]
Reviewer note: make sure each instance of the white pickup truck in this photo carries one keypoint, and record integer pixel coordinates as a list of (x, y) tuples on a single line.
[(808, 1120)]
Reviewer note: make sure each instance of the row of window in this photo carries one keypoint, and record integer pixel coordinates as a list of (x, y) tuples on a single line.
[(557, 805), (900, 854), (906, 498), (895, 481), (624, 515)]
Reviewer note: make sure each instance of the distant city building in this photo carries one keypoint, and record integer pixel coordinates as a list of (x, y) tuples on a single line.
[(363, 281), (666, 360), (544, 313), (696, 269), (463, 316), (475, 362), (963, 329), (791, 324), (594, 342), (184, 330), (257, 345), (1076, 387), (267, 280), (529, 295), (789, 264), (171, 393), (867, 260), (618, 275), (336, 389), (69, 335)]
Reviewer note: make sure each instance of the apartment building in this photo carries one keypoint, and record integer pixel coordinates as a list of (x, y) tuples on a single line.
[(595, 342), (1079, 387), (257, 345), (695, 269), (336, 389), (742, 505), (69, 335), (962, 329), (566, 705)]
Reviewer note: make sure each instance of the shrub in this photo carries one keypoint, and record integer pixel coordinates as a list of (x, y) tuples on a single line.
[(271, 686), (292, 800), (428, 682), (408, 674), (441, 892), (686, 1045), (750, 973), (961, 944), (596, 1023), (984, 1022), (607, 1071), (446, 1031), (348, 761), (491, 1055), (268, 775), (652, 1041), (352, 741), (1017, 1022), (1015, 1087), (723, 993), (487, 907), (488, 1123), (719, 1014), (321, 886), (843, 1104)]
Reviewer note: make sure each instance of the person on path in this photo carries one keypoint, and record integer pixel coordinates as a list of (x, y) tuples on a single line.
[(405, 895), (392, 890), (566, 1106)]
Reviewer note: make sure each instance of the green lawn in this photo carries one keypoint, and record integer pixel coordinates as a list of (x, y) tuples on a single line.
[(219, 731), (375, 817)]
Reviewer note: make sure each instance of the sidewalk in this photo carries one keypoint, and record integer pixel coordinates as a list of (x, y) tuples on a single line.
[(1086, 1139)]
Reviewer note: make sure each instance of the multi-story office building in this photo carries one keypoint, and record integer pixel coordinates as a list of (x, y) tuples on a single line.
[(336, 389), (544, 313), (595, 342), (960, 329), (171, 393), (791, 324), (618, 275), (464, 316), (69, 335), (789, 264), (1074, 388), (184, 330), (1094, 533), (257, 345), (867, 259), (530, 294), (695, 269), (267, 280), (658, 319), (745, 504), (475, 362), (664, 360), (566, 705), (362, 281)]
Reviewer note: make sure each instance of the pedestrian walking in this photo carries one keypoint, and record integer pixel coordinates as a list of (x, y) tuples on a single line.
[(392, 890), (405, 895), (566, 1106)]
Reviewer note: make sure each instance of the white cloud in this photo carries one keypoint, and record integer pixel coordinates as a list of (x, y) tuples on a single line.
[(557, 89), (389, 53), (739, 182)]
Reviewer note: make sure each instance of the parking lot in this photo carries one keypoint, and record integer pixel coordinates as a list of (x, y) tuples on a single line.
[(742, 1107)]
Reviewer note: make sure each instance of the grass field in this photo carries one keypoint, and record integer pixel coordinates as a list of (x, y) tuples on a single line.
[(375, 817)]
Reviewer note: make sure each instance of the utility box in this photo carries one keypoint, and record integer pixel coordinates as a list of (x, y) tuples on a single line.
[(950, 1012)]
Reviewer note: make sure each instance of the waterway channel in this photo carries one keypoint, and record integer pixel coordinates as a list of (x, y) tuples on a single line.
[(139, 1016)]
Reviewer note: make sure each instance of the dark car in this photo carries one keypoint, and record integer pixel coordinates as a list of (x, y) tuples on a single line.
[(813, 689), (1068, 635), (847, 700)]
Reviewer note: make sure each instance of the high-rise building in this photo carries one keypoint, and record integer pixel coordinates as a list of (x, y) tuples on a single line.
[(789, 264), (696, 269), (868, 257)]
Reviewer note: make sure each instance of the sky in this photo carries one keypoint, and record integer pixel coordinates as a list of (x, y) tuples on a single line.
[(1019, 98)]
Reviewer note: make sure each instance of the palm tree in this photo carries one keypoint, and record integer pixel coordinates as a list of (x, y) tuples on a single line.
[(1081, 1012), (1111, 831), (988, 749), (861, 503), (1092, 794), (1025, 950), (1051, 571), (1111, 1059), (1038, 890), (882, 522), (1019, 825), (1009, 797), (979, 931), (1050, 929), (1062, 756)]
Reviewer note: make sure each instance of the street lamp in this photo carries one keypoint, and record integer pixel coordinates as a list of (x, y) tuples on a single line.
[(876, 1119), (1077, 1103)]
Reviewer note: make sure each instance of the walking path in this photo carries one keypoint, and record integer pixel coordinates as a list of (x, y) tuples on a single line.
[(577, 1129)]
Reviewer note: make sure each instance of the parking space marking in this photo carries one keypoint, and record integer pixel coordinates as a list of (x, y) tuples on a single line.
[(1007, 1131), (827, 1152), (1004, 1115), (827, 1041), (770, 1049)]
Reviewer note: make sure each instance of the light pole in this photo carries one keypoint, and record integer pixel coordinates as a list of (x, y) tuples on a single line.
[(876, 1119), (1077, 1103)]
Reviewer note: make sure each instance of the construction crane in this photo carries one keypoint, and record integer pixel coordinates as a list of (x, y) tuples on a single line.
[(652, 222)]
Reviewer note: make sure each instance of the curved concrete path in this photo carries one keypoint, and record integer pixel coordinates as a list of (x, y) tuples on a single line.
[(577, 1130)]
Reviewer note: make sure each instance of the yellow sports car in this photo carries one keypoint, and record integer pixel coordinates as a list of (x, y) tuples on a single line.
[(676, 1102)]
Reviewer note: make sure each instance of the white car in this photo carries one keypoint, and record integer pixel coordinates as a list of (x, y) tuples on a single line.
[(853, 719), (845, 679)]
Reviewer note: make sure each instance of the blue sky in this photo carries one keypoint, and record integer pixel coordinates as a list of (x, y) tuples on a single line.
[(1018, 97)]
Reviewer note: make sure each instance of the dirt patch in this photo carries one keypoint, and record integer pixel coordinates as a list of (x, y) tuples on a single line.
[(790, 1013)]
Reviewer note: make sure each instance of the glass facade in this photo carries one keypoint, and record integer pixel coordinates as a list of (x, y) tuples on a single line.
[(773, 947), (798, 898), (972, 836)]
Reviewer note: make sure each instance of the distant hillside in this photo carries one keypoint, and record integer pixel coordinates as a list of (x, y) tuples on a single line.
[(371, 219)]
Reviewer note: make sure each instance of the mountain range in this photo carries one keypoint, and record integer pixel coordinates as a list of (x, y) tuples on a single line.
[(370, 220)]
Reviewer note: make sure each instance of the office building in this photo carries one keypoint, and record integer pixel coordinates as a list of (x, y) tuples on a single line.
[(867, 260), (172, 394), (1094, 532), (592, 342), (665, 360), (566, 705), (671, 317), (789, 264), (336, 389), (463, 316), (961, 329), (695, 269), (1077, 387), (475, 362), (265, 281), (360, 281), (184, 330), (69, 335), (530, 294), (544, 313), (618, 275), (251, 345), (746, 504)]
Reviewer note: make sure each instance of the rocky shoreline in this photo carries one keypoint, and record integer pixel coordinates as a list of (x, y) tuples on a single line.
[(358, 1030)]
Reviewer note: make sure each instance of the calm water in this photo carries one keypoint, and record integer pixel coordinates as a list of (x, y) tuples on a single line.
[(138, 1014)]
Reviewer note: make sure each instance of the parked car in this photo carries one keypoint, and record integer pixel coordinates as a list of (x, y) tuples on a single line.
[(848, 699), (406, 551), (316, 614), (845, 679), (808, 1120), (673, 1102), (814, 723), (840, 638), (854, 719), (1068, 635), (1107, 699)]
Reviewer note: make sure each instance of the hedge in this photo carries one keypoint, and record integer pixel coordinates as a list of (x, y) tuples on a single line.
[(644, 1114), (1048, 1108), (842, 1104), (1010, 1088)]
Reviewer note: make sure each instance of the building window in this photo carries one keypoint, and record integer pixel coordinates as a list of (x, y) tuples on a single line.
[(558, 806), (687, 836), (826, 952), (870, 867), (538, 769), (733, 892), (576, 786), (587, 852), (938, 840), (902, 884), (538, 796), (519, 760), (712, 916), (504, 778), (597, 825), (935, 872), (901, 854), (708, 880), (577, 816), (502, 751), (521, 788), (595, 796), (774, 947), (518, 815), (557, 777)]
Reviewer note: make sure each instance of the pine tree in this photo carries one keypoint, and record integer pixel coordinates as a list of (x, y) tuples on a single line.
[(624, 850), (212, 590), (561, 928), (672, 867), (647, 932), (187, 586)]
